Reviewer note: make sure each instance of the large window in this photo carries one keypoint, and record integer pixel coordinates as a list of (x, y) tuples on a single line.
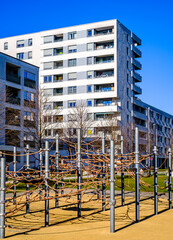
[(89, 103), (72, 49), (29, 79), (72, 76), (72, 90), (47, 79), (72, 35), (20, 43), (20, 55), (72, 104), (72, 62)]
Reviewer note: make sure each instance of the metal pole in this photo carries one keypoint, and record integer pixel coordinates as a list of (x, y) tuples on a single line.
[(57, 170), (112, 186), (27, 185), (79, 179), (46, 184), (14, 169), (169, 177), (40, 166), (2, 199), (103, 175), (122, 174), (155, 182), (137, 193)]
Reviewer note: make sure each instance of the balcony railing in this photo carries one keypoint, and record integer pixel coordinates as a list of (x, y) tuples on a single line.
[(137, 77), (137, 89), (12, 78), (103, 61), (136, 39), (136, 64), (104, 89), (103, 47), (13, 100), (136, 51)]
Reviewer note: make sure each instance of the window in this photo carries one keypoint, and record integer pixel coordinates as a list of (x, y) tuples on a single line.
[(72, 35), (30, 42), (127, 64), (47, 79), (90, 46), (89, 103), (58, 78), (72, 76), (72, 62), (47, 106), (28, 116), (47, 65), (30, 55), (89, 74), (20, 55), (29, 96), (72, 104), (47, 52), (128, 118), (89, 33), (127, 92), (127, 37), (89, 60), (20, 43), (28, 137), (47, 39), (127, 104), (127, 77), (47, 92), (6, 46), (72, 49), (72, 90), (89, 88), (127, 51), (47, 132), (29, 79)]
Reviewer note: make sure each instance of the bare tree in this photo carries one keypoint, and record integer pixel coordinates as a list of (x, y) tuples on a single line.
[(78, 117)]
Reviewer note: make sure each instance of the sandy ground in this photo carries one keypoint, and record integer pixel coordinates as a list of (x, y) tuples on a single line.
[(94, 224)]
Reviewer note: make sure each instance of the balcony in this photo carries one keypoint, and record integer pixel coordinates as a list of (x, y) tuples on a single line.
[(99, 60), (58, 78), (58, 105), (57, 51), (57, 91), (137, 90), (105, 45), (136, 39), (103, 31), (12, 73), (12, 95), (104, 88), (12, 117), (137, 77), (102, 74), (136, 51), (58, 38), (58, 64), (137, 65), (103, 116), (105, 102)]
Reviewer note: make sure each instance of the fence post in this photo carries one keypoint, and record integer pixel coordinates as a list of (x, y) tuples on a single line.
[(112, 186), (169, 177), (79, 179), (103, 175), (14, 169), (46, 184), (40, 166), (122, 173), (57, 170), (155, 182), (27, 185), (137, 193), (2, 199)]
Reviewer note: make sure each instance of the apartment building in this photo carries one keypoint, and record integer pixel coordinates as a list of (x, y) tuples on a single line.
[(18, 84), (96, 65)]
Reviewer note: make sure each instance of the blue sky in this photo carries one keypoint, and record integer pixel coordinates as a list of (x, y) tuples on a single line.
[(151, 20)]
